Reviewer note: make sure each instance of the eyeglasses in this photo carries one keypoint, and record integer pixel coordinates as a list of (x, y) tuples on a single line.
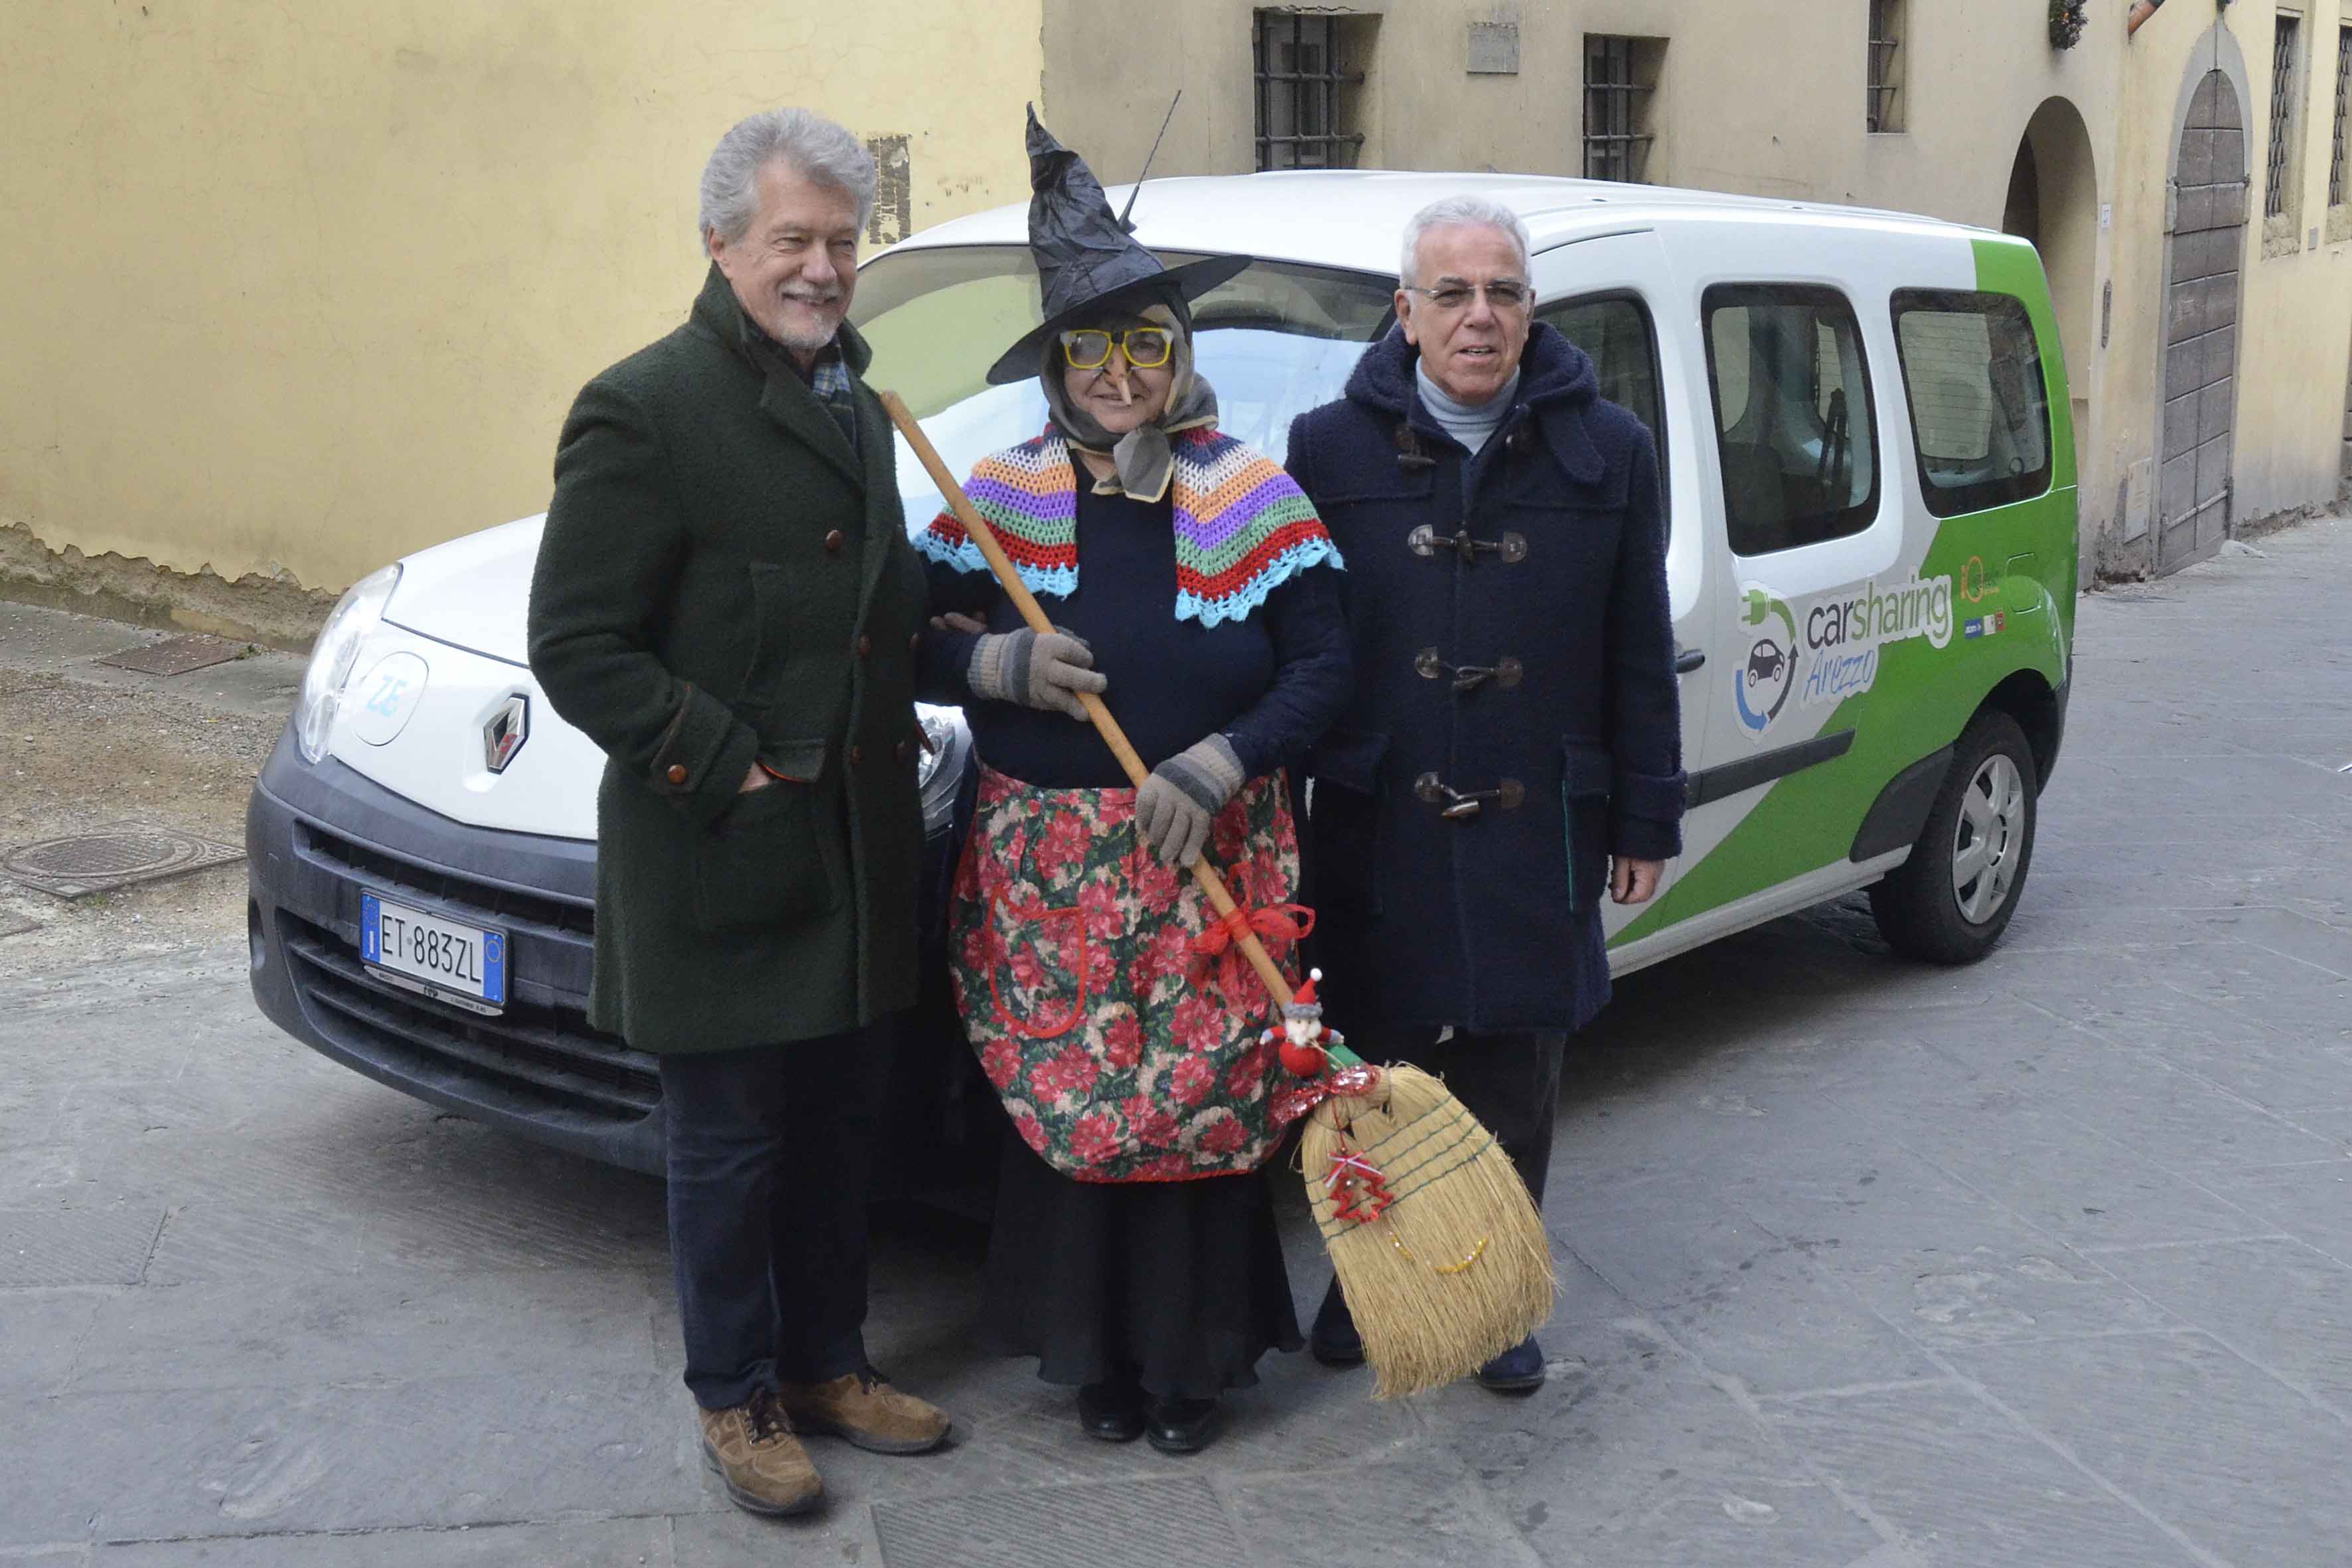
[(1146, 348), (1503, 293)]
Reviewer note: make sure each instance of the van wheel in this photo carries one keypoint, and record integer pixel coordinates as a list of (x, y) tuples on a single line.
[(1951, 900)]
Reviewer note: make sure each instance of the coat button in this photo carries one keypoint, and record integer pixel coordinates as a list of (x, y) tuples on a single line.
[(906, 750), (856, 756), (864, 646), (833, 542), (677, 774), (914, 642)]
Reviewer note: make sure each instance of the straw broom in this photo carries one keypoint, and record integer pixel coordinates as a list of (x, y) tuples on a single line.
[(1437, 1246)]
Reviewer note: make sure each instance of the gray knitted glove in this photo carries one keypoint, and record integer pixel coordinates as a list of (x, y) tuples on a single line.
[(1182, 797), (1047, 672)]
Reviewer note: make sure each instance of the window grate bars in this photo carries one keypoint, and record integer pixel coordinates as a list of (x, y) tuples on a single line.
[(2283, 92), (1615, 145), (1297, 71), (2337, 193), (1880, 111)]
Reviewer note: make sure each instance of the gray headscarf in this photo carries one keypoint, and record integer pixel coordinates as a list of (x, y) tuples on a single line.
[(1144, 459)]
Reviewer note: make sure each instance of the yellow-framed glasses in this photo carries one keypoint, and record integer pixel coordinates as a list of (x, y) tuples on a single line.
[(1146, 348)]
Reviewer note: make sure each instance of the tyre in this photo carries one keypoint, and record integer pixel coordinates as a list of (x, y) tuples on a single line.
[(1951, 900)]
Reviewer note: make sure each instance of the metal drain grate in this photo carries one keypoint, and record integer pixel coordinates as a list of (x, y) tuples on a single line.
[(1060, 1527), (112, 858), (174, 656)]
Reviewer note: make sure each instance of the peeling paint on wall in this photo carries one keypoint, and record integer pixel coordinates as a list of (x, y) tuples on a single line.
[(894, 194)]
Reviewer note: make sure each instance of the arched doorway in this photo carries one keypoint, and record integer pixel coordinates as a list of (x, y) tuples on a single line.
[(2053, 201), (2205, 243)]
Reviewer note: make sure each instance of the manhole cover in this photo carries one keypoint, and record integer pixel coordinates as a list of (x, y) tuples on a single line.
[(174, 656), (112, 858)]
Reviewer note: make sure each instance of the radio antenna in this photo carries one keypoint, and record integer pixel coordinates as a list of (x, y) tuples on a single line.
[(1148, 157)]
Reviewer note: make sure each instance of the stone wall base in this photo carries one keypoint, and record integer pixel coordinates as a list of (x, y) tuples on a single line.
[(276, 612)]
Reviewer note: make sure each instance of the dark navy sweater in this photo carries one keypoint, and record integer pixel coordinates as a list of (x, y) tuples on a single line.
[(1271, 683)]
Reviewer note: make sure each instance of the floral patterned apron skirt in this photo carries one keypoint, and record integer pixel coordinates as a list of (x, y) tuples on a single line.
[(1121, 1052)]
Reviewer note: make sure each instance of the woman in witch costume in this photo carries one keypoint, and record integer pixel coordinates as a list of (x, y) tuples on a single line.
[(1134, 1251)]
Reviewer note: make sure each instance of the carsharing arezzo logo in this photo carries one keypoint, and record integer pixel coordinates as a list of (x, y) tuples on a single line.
[(1836, 654), (1760, 687)]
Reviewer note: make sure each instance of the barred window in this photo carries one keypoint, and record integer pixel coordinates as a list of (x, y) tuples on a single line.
[(1883, 107), (2336, 193), (1619, 77), (2286, 47), (1306, 108)]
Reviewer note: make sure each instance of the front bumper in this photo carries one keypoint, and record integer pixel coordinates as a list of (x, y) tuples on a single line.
[(317, 838)]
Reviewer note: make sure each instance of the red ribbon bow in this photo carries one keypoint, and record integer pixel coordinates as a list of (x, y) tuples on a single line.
[(1276, 925)]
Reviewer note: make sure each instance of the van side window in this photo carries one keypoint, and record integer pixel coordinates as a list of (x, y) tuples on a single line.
[(1614, 330), (1793, 414), (1980, 412)]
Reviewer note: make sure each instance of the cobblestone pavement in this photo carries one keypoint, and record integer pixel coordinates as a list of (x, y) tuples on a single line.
[(2044, 1263)]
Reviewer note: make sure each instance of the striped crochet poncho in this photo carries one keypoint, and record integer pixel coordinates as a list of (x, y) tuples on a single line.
[(1243, 527)]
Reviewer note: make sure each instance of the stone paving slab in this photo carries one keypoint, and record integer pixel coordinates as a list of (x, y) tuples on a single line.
[(364, 1456), (2197, 1436), (609, 1544), (1940, 1468)]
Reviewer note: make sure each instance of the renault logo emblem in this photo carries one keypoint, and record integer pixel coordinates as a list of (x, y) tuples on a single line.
[(508, 728)]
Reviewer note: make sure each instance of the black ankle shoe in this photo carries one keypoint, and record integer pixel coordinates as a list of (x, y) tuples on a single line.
[(1333, 1341), (1519, 1369), (1111, 1411), (1181, 1426)]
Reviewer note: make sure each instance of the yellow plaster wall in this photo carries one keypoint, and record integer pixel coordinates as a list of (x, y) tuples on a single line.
[(2295, 311), (1757, 99), (2296, 319), (298, 288)]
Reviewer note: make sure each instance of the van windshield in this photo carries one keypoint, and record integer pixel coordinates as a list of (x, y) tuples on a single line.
[(1275, 342)]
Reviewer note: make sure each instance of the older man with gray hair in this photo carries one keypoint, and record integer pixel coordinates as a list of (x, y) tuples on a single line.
[(727, 604), (1513, 751)]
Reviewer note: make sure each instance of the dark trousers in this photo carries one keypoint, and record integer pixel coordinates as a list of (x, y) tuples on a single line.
[(1510, 1082), (769, 1153)]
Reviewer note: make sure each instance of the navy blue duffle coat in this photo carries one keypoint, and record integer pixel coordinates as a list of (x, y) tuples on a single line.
[(1514, 720)]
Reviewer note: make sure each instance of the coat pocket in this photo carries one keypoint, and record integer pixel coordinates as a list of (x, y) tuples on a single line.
[(769, 617), (770, 858), (1344, 819), (1584, 783)]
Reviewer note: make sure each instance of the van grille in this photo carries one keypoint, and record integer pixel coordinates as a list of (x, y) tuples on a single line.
[(547, 1054), (486, 899)]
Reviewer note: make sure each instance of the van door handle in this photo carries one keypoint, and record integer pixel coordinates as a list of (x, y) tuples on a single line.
[(1688, 658)]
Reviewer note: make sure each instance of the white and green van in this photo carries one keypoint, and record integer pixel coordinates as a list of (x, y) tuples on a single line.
[(1870, 473), (1864, 433)]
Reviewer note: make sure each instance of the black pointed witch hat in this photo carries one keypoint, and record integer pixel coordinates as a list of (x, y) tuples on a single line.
[(1087, 264)]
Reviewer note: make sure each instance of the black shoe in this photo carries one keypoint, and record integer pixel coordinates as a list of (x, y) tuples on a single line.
[(1333, 1341), (1112, 1411), (1181, 1426), (1519, 1369)]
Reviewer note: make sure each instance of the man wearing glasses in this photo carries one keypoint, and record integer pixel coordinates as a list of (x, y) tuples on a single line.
[(1513, 750)]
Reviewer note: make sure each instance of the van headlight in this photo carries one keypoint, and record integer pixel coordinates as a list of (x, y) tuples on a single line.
[(334, 654), (947, 752)]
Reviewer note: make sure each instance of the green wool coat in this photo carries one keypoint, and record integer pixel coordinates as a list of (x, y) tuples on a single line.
[(724, 578)]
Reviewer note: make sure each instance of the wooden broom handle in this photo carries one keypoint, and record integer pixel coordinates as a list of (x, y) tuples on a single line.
[(1107, 727)]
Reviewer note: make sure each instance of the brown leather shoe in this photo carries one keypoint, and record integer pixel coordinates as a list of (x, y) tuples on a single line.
[(753, 1451), (863, 1407)]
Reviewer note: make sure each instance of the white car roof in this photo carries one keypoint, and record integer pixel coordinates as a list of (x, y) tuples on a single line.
[(1354, 217)]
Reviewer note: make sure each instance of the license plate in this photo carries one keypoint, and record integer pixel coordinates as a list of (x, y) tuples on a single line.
[(445, 959)]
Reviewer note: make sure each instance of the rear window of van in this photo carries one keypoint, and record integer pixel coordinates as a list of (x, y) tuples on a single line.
[(1980, 412)]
